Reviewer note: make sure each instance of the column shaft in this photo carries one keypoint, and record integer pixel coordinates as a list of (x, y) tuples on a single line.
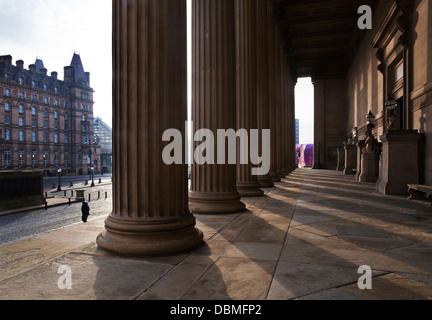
[(247, 184), (214, 103), (150, 210)]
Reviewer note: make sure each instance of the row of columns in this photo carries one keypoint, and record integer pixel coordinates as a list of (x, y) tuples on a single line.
[(241, 79)]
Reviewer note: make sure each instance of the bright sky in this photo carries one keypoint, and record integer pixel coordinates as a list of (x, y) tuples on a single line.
[(53, 30), (304, 97)]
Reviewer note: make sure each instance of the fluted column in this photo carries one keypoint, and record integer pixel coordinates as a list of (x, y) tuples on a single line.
[(247, 184), (150, 211), (272, 101), (262, 57), (213, 188)]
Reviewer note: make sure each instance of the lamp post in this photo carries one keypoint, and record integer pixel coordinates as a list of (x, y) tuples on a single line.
[(59, 177), (391, 105), (92, 175)]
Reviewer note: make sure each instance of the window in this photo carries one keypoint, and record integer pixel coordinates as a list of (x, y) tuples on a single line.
[(66, 139), (45, 137), (21, 95), (34, 99), (45, 87), (7, 120), (66, 126), (66, 116), (45, 158), (56, 103), (67, 105), (399, 72), (21, 81), (84, 118), (33, 84), (45, 124), (66, 159), (56, 125), (45, 113), (21, 136), (7, 158), (56, 90), (34, 158), (34, 123), (7, 135), (46, 100), (34, 111), (56, 139), (21, 158), (7, 106), (85, 140), (34, 137), (6, 76), (79, 158), (56, 158), (21, 108), (21, 122), (7, 93), (56, 115)]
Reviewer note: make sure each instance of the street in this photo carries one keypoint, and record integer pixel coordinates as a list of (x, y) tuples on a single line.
[(23, 225), (77, 180)]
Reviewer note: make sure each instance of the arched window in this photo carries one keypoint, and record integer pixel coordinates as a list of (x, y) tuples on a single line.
[(45, 113), (7, 106), (21, 108), (34, 111), (21, 81)]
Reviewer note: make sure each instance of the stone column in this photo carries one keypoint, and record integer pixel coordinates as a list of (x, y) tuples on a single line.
[(213, 187), (262, 77), (150, 211), (247, 184), (341, 159), (272, 102), (360, 146)]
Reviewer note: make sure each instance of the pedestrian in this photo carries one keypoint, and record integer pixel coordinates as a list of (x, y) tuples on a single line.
[(85, 210)]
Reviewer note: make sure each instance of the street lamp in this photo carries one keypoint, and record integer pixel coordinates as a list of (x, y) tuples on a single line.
[(92, 175), (59, 177), (391, 105)]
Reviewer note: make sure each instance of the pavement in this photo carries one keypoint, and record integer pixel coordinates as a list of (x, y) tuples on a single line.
[(318, 235)]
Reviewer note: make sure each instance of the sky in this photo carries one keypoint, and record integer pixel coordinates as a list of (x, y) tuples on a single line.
[(54, 29)]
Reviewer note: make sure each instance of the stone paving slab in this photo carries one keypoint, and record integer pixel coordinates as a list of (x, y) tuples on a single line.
[(305, 239)]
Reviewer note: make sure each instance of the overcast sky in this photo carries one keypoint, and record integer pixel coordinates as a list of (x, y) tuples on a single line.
[(55, 29)]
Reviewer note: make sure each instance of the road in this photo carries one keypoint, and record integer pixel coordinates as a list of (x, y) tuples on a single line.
[(24, 225), (77, 180)]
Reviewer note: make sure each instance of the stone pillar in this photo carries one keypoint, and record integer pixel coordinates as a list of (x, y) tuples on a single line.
[(213, 188), (341, 159), (319, 123), (369, 167), (350, 159), (360, 146), (262, 77), (247, 184), (150, 211), (399, 162)]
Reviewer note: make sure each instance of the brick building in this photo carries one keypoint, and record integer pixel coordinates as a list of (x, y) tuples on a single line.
[(46, 123)]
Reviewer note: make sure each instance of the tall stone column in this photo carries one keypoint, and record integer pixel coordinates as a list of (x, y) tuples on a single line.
[(247, 184), (150, 211), (213, 187), (272, 102), (262, 57)]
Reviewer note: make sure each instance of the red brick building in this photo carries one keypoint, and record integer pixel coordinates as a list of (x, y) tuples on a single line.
[(46, 123)]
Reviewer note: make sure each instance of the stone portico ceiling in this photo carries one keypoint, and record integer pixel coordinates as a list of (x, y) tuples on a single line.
[(320, 36)]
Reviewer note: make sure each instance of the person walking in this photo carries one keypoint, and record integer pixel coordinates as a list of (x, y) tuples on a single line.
[(85, 211)]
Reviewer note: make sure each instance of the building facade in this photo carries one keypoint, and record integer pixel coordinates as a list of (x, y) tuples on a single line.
[(103, 137), (46, 123)]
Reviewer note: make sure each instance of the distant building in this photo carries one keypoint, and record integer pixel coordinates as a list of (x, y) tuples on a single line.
[(103, 138), (297, 130), (46, 123)]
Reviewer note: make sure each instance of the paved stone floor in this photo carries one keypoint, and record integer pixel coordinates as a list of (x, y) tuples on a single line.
[(306, 239)]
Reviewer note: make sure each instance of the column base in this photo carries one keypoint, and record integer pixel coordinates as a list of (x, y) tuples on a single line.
[(274, 177), (214, 203), (249, 189), (265, 181), (128, 237), (369, 168)]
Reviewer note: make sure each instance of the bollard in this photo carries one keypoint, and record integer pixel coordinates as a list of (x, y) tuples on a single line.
[(98, 195), (89, 197), (106, 195), (86, 183), (69, 201), (65, 193), (46, 205), (100, 180)]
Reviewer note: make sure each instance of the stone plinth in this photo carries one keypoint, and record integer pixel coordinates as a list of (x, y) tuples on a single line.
[(360, 146), (350, 159), (341, 159), (399, 162), (20, 189), (369, 167)]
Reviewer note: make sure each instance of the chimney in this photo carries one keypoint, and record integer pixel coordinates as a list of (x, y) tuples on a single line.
[(54, 75), (7, 60), (32, 68), (20, 64), (43, 72)]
